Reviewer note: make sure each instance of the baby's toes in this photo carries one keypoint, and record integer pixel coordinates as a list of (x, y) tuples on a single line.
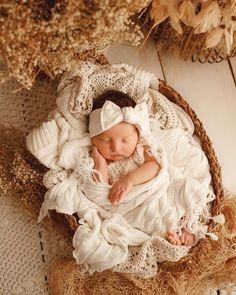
[(169, 238), (169, 235), (172, 241), (173, 238), (178, 242), (183, 239), (191, 240)]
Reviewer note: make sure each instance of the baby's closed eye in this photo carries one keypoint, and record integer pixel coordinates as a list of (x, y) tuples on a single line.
[(125, 141), (105, 140)]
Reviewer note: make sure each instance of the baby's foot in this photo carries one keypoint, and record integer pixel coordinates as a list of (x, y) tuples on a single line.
[(173, 238), (187, 238)]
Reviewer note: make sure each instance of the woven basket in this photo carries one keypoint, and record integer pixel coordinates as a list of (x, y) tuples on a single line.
[(27, 109)]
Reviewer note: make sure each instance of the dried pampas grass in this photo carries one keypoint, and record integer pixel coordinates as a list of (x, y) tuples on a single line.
[(195, 26)]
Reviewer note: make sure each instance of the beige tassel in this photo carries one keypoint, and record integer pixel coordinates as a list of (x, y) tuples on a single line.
[(213, 236), (219, 219)]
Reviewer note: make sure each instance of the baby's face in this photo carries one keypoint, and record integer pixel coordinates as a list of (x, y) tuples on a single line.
[(118, 142)]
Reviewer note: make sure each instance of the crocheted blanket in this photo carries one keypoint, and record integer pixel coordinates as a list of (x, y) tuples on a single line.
[(129, 236)]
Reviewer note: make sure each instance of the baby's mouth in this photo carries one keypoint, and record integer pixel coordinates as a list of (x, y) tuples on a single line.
[(116, 156)]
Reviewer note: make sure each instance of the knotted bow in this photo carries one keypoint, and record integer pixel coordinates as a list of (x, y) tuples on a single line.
[(111, 114)]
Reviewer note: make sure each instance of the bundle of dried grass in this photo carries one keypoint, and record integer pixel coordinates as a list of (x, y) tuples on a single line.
[(21, 179), (203, 30), (52, 35), (20, 172)]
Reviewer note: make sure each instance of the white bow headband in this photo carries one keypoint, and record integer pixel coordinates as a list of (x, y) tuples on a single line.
[(111, 114)]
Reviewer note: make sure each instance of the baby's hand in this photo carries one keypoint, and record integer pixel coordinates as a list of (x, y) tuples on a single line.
[(99, 160), (120, 188)]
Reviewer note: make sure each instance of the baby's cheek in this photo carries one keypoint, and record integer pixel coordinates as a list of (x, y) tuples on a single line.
[(103, 151), (132, 148)]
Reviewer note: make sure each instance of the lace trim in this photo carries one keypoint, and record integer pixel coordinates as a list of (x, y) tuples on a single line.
[(163, 112), (53, 177), (144, 260)]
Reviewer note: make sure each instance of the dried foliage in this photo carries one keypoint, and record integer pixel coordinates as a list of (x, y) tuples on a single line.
[(21, 179), (195, 25), (51, 35), (20, 172)]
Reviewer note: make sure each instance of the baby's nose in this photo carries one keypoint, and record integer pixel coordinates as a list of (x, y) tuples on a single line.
[(115, 147)]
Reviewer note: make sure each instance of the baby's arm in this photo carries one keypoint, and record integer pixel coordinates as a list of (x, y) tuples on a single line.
[(100, 164), (144, 173)]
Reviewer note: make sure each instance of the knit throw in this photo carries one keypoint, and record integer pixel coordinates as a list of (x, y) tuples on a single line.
[(128, 237)]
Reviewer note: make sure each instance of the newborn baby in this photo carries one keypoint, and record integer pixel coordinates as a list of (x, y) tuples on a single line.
[(119, 142)]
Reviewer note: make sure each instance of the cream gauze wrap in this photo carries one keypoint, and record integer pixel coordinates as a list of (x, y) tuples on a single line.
[(128, 236)]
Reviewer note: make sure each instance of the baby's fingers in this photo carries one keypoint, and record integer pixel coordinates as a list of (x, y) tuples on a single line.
[(117, 197), (94, 152), (114, 195), (121, 195)]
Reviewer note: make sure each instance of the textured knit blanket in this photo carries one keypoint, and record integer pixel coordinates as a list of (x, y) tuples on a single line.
[(128, 236), (181, 189)]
